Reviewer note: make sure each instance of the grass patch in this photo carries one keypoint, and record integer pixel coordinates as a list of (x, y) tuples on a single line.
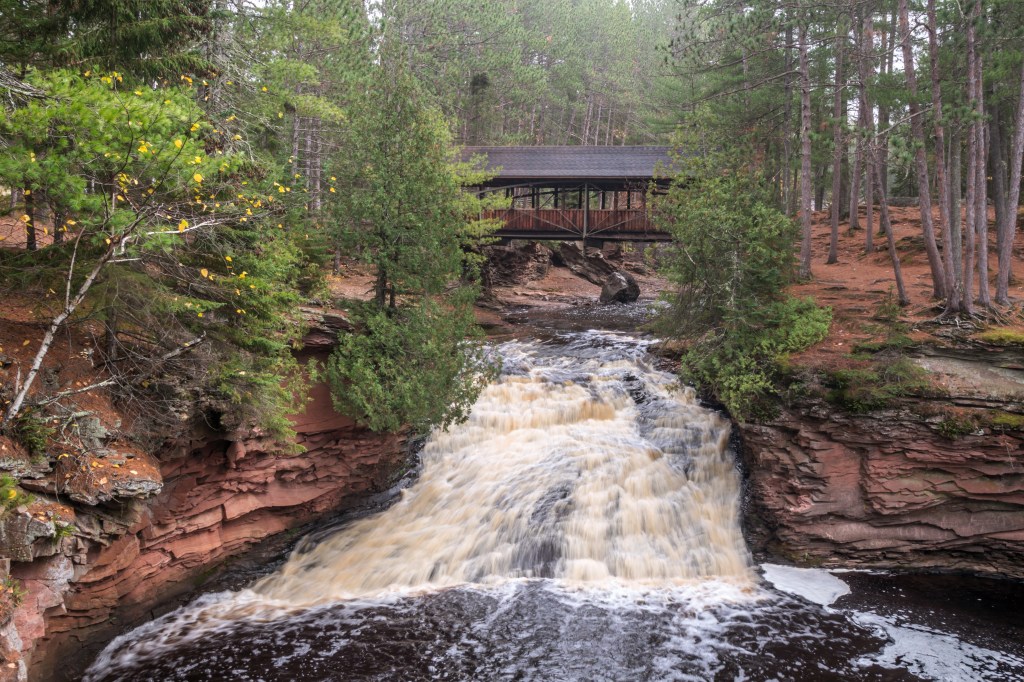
[(1002, 336), (1006, 421)]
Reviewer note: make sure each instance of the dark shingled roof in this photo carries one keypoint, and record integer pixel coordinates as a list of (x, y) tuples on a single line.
[(573, 163)]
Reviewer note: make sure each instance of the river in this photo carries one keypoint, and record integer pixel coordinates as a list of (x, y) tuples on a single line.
[(583, 524)]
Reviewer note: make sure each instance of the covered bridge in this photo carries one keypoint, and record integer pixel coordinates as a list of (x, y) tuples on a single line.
[(588, 193)]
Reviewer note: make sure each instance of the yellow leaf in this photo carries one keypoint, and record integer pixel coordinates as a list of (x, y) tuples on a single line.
[(199, 314), (25, 219), (242, 276), (227, 258), (143, 149), (280, 115), (25, 342), (138, 93), (197, 177), (195, 127), (71, 222), (237, 137), (179, 144), (263, 89), (183, 225), (107, 240), (279, 189), (204, 272), (332, 190)]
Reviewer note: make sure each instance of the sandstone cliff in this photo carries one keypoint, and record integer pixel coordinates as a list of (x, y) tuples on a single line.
[(139, 530), (931, 482)]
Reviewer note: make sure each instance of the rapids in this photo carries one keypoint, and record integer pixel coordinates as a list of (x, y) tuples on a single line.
[(583, 524)]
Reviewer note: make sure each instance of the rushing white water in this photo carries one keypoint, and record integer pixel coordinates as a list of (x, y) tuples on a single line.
[(582, 524), (581, 469)]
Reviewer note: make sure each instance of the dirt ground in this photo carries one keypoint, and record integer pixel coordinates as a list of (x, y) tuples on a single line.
[(860, 283)]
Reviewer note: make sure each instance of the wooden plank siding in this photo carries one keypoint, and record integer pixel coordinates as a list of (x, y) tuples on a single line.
[(552, 223)]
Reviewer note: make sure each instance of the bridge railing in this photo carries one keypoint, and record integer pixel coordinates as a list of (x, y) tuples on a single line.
[(575, 220)]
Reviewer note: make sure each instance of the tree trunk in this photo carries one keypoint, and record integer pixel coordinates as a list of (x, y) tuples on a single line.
[(951, 286), (981, 194), (30, 219), (805, 156), (787, 127), (873, 162), (866, 122), (837, 145), (921, 158), (1008, 228), (967, 304), (955, 195)]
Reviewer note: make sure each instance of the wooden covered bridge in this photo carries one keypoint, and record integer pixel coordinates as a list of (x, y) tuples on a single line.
[(576, 193)]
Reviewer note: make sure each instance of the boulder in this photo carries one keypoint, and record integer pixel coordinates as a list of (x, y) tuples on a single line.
[(590, 265), (620, 287)]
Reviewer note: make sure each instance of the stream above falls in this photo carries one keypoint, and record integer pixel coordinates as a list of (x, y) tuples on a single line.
[(583, 524)]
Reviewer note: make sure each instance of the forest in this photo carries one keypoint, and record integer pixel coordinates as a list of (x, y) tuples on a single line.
[(180, 172)]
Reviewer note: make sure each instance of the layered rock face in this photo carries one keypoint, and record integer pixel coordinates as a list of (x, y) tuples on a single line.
[(885, 489), (218, 497)]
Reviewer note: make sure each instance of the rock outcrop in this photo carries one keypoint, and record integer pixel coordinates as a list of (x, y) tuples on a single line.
[(511, 265), (886, 489), (132, 532), (620, 287)]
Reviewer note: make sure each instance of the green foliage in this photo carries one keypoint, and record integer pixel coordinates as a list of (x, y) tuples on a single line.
[(730, 279), (898, 342), (417, 366), (11, 496), (415, 360), (955, 427), (196, 255), (878, 385), (149, 38), (33, 432), (63, 530), (742, 368)]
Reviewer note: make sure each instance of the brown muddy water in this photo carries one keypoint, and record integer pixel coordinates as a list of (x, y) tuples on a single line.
[(583, 524)]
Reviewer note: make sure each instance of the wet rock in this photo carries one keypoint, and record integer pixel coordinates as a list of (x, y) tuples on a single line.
[(620, 287), (590, 265)]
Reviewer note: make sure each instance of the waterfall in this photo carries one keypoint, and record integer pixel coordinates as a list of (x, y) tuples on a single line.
[(582, 463)]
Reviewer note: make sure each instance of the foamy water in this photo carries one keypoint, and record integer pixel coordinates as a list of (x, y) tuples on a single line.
[(582, 524)]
